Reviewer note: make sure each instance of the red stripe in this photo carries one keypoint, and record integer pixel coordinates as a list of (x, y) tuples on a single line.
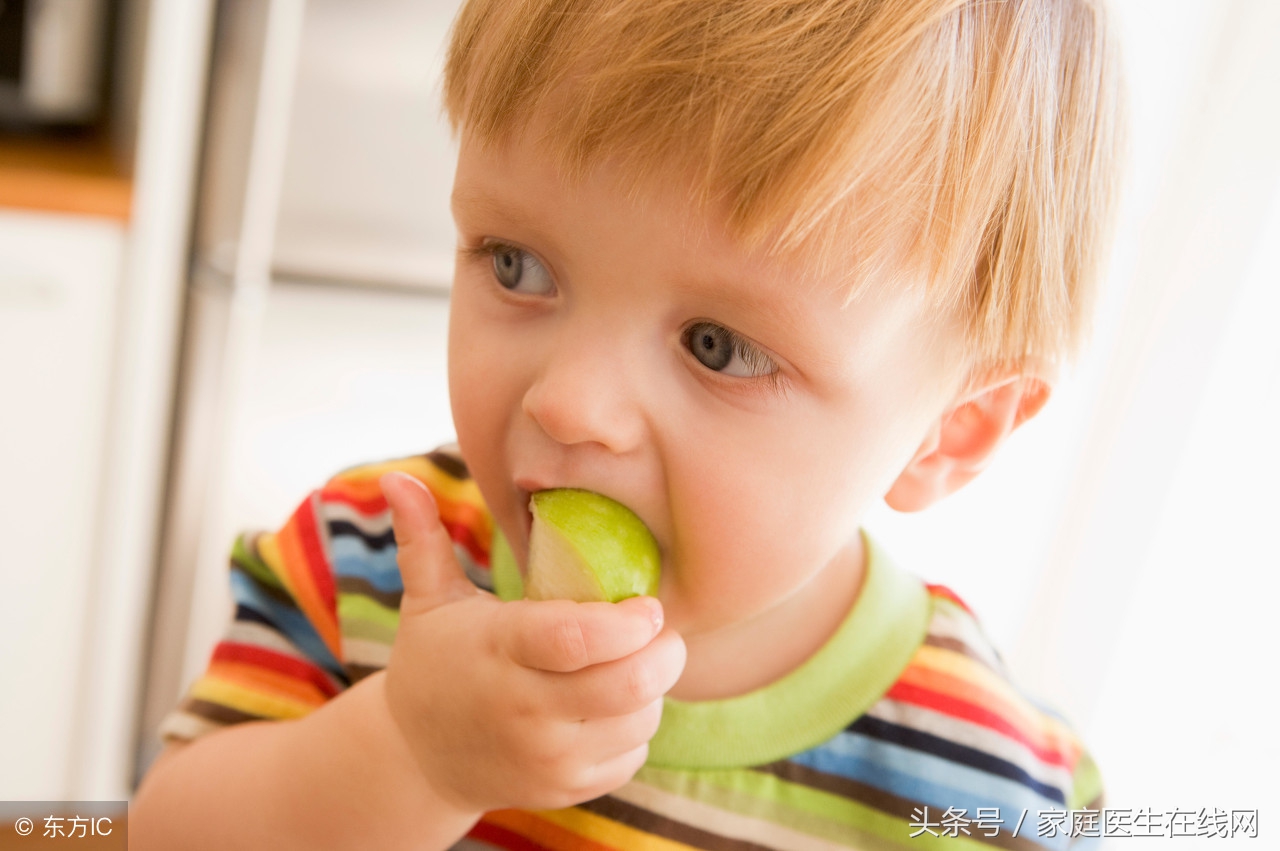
[(500, 837), (262, 657), (461, 530), (977, 714), (944, 591), (465, 536), (372, 505), (317, 560)]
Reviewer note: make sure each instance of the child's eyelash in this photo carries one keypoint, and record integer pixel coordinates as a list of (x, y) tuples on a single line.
[(769, 380), (487, 250), (758, 361)]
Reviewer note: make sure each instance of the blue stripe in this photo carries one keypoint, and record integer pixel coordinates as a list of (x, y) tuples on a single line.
[(947, 749), (254, 604), (350, 556), (379, 541), (918, 776)]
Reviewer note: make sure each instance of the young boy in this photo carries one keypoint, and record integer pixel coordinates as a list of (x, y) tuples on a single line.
[(745, 267)]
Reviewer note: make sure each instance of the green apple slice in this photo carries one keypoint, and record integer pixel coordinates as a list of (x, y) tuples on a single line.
[(587, 547)]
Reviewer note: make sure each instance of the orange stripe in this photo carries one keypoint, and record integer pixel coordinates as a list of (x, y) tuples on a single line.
[(970, 692), (272, 683), (246, 699), (959, 666), (297, 575), (532, 826), (470, 516), (965, 690), (316, 555), (461, 496), (462, 509), (421, 468), (615, 834), (363, 483)]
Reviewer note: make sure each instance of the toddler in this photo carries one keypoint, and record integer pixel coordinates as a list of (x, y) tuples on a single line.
[(747, 267)]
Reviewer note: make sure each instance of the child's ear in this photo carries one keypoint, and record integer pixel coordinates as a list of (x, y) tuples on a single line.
[(964, 439)]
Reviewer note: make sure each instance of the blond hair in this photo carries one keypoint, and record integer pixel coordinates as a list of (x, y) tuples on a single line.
[(968, 144)]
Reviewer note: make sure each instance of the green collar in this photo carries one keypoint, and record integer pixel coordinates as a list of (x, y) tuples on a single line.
[(815, 701), (806, 707)]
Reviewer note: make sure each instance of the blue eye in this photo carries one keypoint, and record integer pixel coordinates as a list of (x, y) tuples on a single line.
[(519, 271), (723, 351)]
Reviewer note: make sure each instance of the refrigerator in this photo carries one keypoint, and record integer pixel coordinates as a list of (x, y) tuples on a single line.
[(317, 296)]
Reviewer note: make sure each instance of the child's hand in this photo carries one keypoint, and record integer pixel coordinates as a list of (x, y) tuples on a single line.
[(521, 704)]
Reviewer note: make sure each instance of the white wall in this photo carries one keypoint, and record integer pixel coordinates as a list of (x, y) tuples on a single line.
[(1119, 549), (1185, 712), (370, 162), (345, 376)]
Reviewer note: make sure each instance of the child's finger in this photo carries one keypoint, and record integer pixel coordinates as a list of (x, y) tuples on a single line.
[(604, 777), (563, 636), (622, 686), (428, 567), (620, 733)]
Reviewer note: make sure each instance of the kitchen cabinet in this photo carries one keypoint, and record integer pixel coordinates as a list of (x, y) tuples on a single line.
[(59, 286), (94, 230)]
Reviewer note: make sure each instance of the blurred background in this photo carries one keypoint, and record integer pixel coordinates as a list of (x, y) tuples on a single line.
[(225, 256)]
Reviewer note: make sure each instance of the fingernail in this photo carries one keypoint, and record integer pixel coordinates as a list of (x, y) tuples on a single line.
[(405, 512), (387, 484), (655, 612), (407, 479)]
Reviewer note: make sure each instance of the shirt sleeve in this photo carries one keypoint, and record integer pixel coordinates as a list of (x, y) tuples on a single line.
[(317, 602)]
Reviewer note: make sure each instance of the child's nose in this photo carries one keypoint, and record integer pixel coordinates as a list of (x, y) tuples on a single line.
[(580, 396)]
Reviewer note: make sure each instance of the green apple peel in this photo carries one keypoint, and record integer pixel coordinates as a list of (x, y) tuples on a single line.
[(587, 547)]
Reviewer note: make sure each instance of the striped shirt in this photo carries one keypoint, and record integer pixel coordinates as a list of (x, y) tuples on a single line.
[(902, 731)]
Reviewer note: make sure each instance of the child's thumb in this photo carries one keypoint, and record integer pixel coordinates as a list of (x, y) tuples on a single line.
[(428, 567)]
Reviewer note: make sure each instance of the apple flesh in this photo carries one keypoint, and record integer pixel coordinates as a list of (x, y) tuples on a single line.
[(587, 547)]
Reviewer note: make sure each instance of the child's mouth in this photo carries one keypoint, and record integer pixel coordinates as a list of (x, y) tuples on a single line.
[(526, 517)]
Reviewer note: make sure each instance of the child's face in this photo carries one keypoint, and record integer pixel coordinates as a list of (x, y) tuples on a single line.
[(631, 348)]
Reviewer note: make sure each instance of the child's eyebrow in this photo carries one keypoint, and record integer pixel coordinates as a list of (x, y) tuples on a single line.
[(483, 205), (756, 308)]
